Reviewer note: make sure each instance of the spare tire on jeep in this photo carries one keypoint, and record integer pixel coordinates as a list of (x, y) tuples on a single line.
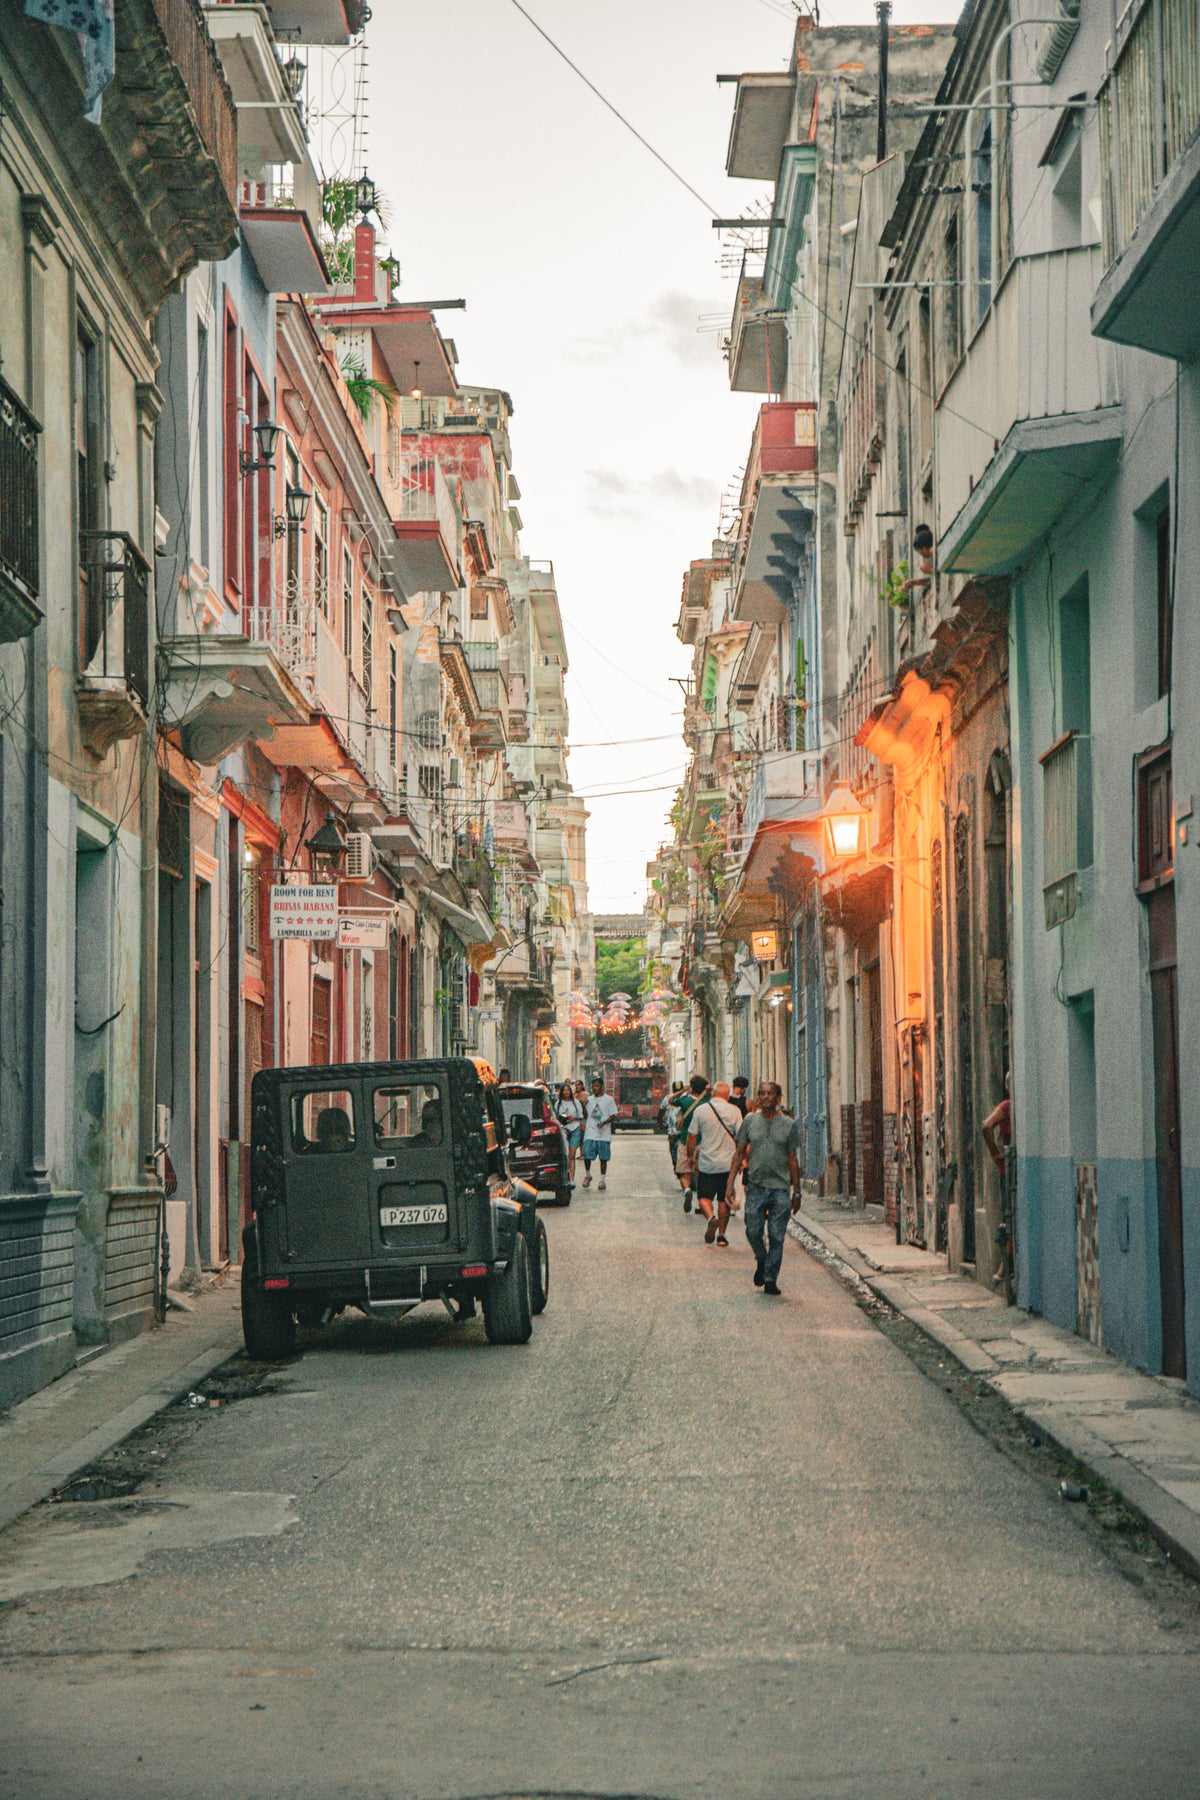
[(507, 1309)]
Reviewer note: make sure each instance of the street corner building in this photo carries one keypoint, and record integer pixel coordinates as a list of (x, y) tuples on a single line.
[(934, 841), (267, 631)]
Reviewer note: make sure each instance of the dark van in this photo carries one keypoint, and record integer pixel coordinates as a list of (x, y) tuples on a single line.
[(379, 1185)]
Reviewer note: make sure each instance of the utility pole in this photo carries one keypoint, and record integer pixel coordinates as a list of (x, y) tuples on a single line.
[(883, 12)]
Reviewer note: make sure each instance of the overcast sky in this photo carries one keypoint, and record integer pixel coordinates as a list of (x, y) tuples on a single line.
[(594, 294)]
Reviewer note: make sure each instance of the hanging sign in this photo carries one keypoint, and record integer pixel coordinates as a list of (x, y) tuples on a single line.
[(362, 931), (304, 912), (764, 945)]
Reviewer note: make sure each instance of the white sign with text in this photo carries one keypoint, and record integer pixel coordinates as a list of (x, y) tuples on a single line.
[(304, 912), (362, 931)]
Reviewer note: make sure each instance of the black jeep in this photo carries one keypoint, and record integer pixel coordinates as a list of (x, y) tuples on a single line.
[(379, 1185)]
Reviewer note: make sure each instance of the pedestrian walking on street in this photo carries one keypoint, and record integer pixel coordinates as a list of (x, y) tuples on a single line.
[(697, 1088), (569, 1112), (767, 1142), (597, 1132), (671, 1120), (712, 1143), (740, 1094)]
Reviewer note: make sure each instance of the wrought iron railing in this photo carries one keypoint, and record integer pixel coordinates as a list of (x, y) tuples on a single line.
[(481, 655), (18, 494), (115, 586), (425, 495), (193, 54), (1149, 110), (474, 870)]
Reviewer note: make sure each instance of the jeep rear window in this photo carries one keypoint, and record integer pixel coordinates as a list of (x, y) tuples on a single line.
[(323, 1122), (531, 1106), (409, 1114)]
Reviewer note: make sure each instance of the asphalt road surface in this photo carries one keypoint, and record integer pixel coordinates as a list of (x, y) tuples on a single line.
[(690, 1542)]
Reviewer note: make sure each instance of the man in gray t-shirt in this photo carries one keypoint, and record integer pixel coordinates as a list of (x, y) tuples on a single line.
[(767, 1142)]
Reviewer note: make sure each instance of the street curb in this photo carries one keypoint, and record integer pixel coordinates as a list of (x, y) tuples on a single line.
[(18, 1496), (1174, 1526)]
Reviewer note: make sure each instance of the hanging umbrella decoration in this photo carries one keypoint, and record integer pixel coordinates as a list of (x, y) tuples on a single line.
[(618, 1014), (582, 1016)]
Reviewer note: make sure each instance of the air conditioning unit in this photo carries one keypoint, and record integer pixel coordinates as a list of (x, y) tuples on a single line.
[(358, 856)]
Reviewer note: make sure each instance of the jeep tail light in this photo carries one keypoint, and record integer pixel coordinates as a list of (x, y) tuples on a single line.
[(473, 1269), (278, 1281)]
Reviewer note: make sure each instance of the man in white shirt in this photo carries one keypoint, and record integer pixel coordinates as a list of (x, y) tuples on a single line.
[(712, 1140), (600, 1112)]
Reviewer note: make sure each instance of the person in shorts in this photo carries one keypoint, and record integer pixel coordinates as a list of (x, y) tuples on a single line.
[(569, 1113), (697, 1089), (597, 1132), (713, 1126)]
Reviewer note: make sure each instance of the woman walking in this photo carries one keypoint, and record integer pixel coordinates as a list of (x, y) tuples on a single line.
[(569, 1112)]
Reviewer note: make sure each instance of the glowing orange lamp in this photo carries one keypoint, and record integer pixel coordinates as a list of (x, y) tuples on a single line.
[(845, 820)]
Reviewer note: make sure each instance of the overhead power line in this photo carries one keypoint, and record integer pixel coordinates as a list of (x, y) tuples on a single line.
[(615, 111), (823, 312)]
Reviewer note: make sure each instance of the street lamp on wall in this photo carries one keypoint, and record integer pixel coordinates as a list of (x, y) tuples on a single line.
[(295, 511), (327, 847), (366, 196), (845, 822), (266, 436)]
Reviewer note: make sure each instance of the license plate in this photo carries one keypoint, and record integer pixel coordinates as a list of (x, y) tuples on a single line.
[(412, 1215)]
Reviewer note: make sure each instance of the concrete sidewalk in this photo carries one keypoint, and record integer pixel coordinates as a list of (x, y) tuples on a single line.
[(1139, 1433), (51, 1436)]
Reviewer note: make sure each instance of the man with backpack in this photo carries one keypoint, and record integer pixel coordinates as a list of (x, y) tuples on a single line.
[(685, 1105), (712, 1140)]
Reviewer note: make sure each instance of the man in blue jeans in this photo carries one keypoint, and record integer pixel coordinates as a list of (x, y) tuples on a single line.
[(767, 1142)]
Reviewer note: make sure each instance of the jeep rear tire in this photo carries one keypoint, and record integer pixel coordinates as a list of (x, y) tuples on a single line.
[(539, 1269), (268, 1328), (507, 1312)]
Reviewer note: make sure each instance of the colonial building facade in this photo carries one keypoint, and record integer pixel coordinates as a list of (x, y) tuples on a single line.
[(265, 621)]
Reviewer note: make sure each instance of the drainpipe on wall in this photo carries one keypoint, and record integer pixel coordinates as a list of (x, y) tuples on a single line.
[(883, 13)]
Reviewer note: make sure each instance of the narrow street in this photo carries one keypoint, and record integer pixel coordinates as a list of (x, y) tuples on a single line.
[(690, 1542)]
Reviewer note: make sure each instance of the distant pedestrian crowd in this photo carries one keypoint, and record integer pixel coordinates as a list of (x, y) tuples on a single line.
[(729, 1153)]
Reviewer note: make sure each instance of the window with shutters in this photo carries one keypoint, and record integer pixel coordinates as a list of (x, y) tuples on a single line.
[(368, 643), (348, 605), (1155, 820), (321, 553)]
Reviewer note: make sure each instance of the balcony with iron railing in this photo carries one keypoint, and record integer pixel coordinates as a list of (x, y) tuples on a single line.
[(490, 730), (757, 350), (1030, 414), (114, 677), (427, 528), (297, 628), (778, 503), (785, 788), (20, 576), (474, 870), (196, 145), (1149, 115)]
